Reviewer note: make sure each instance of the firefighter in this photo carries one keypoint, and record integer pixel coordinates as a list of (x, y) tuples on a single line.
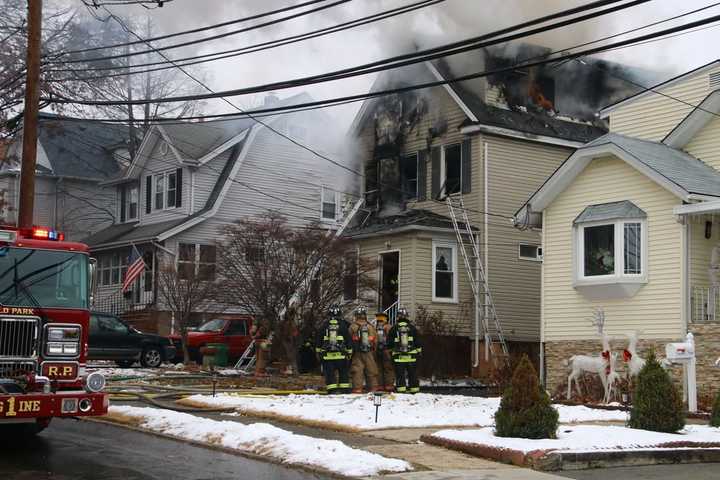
[(262, 336), (405, 345), (333, 348), (382, 356), (364, 338)]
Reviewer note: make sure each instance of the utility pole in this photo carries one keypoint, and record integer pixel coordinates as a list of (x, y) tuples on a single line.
[(30, 116)]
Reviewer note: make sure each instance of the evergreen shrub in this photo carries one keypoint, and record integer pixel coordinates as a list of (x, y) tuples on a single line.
[(657, 404), (715, 417), (525, 409)]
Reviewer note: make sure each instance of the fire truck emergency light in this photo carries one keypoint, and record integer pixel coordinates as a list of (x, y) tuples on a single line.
[(44, 233)]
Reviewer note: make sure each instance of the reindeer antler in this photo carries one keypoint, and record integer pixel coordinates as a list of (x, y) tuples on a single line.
[(599, 320)]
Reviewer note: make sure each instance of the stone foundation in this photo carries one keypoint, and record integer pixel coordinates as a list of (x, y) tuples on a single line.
[(707, 350)]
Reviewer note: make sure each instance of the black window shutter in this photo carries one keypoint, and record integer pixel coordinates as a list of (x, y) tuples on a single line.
[(466, 166), (148, 194), (123, 200), (435, 156), (178, 186), (422, 176)]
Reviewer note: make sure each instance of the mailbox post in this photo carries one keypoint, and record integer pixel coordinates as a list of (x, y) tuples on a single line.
[(684, 353)]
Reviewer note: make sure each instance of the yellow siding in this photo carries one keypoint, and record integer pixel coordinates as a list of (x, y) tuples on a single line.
[(657, 308), (515, 283), (701, 249), (705, 144), (654, 116)]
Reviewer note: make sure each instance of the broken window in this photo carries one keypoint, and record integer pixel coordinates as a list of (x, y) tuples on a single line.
[(452, 162), (409, 176)]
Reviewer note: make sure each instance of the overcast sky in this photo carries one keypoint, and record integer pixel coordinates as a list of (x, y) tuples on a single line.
[(447, 21)]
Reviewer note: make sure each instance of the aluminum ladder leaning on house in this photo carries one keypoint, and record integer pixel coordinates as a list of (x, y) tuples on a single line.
[(247, 360), (484, 305)]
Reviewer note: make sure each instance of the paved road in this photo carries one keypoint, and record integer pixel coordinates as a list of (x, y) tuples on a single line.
[(700, 471), (72, 450)]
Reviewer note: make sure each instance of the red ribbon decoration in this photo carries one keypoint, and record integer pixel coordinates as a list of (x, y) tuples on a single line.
[(627, 356)]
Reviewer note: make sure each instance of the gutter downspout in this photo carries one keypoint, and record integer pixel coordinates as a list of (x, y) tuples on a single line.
[(486, 233), (542, 303)]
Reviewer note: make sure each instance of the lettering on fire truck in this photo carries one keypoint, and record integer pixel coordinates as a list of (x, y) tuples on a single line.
[(16, 311), (61, 371), (10, 409)]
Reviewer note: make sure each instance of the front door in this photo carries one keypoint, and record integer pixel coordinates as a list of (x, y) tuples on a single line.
[(389, 279)]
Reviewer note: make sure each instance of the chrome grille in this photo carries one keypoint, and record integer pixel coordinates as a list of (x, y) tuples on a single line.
[(15, 370), (18, 339)]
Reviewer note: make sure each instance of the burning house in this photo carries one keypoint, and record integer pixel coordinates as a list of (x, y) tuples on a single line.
[(489, 142)]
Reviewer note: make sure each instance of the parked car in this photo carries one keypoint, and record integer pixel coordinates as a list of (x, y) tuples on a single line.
[(232, 331), (112, 339)]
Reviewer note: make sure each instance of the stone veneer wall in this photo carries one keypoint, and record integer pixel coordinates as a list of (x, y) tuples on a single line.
[(707, 350)]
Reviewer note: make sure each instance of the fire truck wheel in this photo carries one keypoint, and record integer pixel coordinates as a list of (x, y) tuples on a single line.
[(151, 357), (125, 363)]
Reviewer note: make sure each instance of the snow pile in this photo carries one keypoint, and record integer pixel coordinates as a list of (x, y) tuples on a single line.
[(266, 440), (584, 438), (397, 411), (117, 372)]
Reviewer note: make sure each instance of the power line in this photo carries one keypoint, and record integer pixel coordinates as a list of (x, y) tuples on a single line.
[(195, 30), (214, 37), (233, 53), (424, 55)]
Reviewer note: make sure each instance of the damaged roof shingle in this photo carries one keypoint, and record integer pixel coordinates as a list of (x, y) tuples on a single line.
[(408, 219)]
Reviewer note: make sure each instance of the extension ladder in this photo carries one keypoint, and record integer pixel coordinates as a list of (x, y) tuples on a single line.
[(247, 361), (484, 305)]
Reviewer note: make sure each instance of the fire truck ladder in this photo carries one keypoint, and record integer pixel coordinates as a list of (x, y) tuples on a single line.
[(470, 250), (248, 358)]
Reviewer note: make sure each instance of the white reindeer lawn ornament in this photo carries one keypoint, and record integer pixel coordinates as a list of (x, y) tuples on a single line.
[(630, 355), (602, 365)]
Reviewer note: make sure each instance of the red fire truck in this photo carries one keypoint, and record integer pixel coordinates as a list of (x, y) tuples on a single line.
[(46, 288)]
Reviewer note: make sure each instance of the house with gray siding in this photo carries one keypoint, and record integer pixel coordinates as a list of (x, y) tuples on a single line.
[(189, 180), (74, 158)]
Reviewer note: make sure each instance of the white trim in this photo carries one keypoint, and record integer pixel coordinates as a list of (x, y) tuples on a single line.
[(228, 144), (200, 218), (453, 246), (506, 132), (166, 137), (697, 208), (143, 145), (695, 121), (336, 200), (668, 83), (618, 275), (573, 166), (466, 110)]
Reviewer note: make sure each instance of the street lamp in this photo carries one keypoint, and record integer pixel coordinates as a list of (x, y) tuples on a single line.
[(377, 401)]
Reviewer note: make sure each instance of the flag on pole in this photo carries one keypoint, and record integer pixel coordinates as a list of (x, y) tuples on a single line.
[(136, 266)]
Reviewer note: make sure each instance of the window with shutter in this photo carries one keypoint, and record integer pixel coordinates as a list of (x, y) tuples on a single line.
[(148, 194)]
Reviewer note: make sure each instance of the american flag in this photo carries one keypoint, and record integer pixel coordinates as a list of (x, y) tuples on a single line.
[(136, 266)]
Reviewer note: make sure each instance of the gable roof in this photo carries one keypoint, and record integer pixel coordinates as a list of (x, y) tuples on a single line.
[(80, 148), (700, 116), (672, 81), (675, 170)]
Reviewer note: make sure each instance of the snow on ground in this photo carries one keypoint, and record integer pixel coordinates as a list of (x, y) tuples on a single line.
[(266, 440), (397, 411), (111, 371), (583, 438)]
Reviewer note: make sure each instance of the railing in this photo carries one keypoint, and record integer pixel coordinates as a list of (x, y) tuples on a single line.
[(705, 304), (119, 304), (392, 312)]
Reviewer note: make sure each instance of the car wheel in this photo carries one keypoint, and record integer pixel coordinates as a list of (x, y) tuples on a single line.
[(151, 357), (125, 363)]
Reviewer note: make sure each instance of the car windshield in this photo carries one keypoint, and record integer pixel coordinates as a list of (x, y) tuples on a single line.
[(212, 326), (43, 278)]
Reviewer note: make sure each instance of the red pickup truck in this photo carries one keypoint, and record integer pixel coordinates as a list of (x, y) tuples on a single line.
[(232, 331)]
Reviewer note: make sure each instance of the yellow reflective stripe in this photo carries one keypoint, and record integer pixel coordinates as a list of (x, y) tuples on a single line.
[(334, 356)]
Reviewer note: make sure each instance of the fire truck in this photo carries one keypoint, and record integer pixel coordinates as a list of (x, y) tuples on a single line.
[(46, 289)]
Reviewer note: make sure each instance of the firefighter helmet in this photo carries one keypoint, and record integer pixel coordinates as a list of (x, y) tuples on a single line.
[(361, 311), (402, 313), (335, 311), (381, 317)]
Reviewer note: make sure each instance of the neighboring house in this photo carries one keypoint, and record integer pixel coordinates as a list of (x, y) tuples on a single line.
[(189, 180), (491, 142), (73, 158), (629, 224)]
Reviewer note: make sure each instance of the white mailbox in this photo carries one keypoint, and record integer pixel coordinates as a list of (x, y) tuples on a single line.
[(684, 353), (677, 352)]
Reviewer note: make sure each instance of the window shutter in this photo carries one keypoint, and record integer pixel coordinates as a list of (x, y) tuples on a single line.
[(148, 194), (178, 187), (466, 166), (435, 156), (123, 201), (422, 176)]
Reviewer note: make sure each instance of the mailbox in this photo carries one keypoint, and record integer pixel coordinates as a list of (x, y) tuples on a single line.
[(681, 351)]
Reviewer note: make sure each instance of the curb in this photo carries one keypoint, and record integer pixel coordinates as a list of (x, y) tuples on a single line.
[(211, 446), (555, 460)]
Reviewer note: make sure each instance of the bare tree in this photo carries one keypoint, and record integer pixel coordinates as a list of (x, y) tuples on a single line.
[(283, 274), (185, 291)]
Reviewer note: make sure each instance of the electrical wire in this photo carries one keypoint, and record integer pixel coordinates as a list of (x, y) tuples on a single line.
[(233, 53)]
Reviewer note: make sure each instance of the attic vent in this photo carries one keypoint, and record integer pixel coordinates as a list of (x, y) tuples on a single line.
[(714, 80)]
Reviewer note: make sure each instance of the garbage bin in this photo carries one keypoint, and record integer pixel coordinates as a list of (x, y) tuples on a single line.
[(221, 354)]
